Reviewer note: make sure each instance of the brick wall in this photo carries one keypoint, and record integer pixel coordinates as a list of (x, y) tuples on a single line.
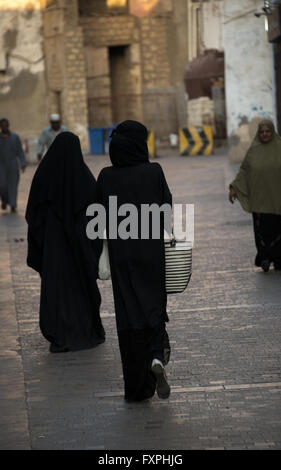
[(144, 66), (154, 47), (113, 64), (113, 69), (108, 30), (66, 70), (75, 91)]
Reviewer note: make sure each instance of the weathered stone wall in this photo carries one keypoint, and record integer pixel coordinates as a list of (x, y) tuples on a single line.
[(106, 30), (53, 34), (98, 86), (154, 47), (65, 64), (248, 73), (42, 67), (22, 69), (212, 17), (93, 63), (159, 96), (113, 69), (75, 89), (128, 63), (150, 7)]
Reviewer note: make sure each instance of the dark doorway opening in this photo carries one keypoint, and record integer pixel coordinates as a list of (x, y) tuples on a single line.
[(120, 81)]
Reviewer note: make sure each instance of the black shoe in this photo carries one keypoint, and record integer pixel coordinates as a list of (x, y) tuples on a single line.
[(265, 265), (55, 348), (162, 386), (13, 210), (4, 206)]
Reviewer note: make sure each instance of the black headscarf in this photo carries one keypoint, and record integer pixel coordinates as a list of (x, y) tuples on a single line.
[(128, 144), (62, 180)]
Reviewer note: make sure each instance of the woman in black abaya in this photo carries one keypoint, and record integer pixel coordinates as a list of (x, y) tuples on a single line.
[(137, 265), (59, 250)]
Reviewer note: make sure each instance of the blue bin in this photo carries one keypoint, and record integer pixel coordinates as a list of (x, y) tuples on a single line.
[(96, 136), (100, 139)]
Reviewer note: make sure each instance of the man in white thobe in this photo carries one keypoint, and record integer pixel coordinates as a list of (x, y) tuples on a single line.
[(49, 134)]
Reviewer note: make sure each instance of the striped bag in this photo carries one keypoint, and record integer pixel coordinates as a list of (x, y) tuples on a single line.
[(178, 265)]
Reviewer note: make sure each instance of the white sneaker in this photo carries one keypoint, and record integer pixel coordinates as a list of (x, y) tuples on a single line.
[(162, 386)]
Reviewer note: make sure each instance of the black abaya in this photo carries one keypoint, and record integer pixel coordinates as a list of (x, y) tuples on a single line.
[(137, 266), (267, 230), (58, 247)]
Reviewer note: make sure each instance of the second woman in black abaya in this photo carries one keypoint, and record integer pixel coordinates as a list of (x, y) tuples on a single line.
[(137, 265), (58, 247)]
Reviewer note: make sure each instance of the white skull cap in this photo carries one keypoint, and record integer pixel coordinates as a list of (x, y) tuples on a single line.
[(54, 117)]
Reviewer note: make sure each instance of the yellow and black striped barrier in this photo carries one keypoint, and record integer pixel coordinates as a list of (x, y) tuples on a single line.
[(196, 140), (151, 143)]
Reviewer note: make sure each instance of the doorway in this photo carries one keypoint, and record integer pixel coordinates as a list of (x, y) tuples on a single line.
[(119, 63)]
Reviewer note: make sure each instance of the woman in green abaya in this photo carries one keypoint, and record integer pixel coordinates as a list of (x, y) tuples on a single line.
[(257, 186)]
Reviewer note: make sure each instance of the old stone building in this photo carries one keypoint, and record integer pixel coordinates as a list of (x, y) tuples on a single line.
[(249, 73), (23, 88), (65, 66), (110, 60), (96, 62)]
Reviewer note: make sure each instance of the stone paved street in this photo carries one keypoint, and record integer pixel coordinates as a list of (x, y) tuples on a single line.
[(225, 332)]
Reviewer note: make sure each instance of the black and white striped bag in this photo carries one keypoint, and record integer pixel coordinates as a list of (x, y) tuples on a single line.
[(178, 265)]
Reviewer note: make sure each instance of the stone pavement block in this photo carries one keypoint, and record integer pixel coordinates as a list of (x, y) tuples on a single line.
[(13, 411), (224, 331)]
